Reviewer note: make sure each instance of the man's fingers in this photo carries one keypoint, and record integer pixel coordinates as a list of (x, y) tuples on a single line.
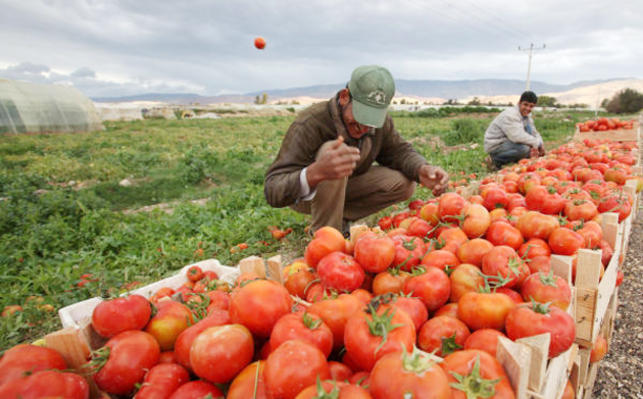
[(337, 143)]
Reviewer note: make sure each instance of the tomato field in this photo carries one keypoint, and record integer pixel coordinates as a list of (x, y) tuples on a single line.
[(446, 274)]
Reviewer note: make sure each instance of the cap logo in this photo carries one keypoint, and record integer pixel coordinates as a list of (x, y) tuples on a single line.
[(377, 96)]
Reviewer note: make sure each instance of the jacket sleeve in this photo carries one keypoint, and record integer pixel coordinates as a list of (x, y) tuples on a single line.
[(298, 150), (511, 125), (536, 132), (397, 153)]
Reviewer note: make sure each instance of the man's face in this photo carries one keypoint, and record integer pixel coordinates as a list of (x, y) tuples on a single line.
[(355, 129), (525, 107)]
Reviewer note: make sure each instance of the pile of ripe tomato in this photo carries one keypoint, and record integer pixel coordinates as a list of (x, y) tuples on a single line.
[(603, 124), (412, 308)]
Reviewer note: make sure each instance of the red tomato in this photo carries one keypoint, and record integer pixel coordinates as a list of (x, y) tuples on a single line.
[(185, 339), (339, 371), (243, 385), (442, 334), (505, 261), (599, 350), (534, 247), (494, 198), (413, 307), (297, 276), (292, 367), (419, 227), (432, 287), (529, 320), (325, 241), (536, 225), (334, 389), (465, 278), (564, 241), (453, 238), (370, 335), (229, 347), (25, 358), (483, 374), (197, 390), (450, 205), (501, 233), (46, 384), (472, 251), (167, 357), (340, 272), (545, 200), (476, 220), (485, 339), (444, 260), (430, 213), (260, 43), (219, 300), (162, 380), (195, 273), (305, 327), (258, 305), (543, 288), (335, 313), (450, 309), (375, 254), (408, 251), (385, 223), (130, 354), (170, 320), (121, 314), (539, 264), (484, 310), (389, 281), (580, 210), (401, 375)]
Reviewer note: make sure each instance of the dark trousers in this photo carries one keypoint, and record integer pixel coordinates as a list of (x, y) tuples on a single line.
[(509, 152)]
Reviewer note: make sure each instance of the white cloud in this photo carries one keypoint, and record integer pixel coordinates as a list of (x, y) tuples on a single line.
[(206, 47)]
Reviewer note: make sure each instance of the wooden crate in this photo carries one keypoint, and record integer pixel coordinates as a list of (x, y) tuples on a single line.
[(592, 295), (531, 373), (587, 372)]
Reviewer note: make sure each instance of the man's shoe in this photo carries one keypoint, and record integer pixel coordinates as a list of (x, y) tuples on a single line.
[(491, 166)]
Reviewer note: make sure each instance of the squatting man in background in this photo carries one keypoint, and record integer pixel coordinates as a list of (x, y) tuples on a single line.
[(512, 135), (325, 165)]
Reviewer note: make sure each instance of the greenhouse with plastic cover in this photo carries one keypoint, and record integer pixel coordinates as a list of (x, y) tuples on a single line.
[(39, 108)]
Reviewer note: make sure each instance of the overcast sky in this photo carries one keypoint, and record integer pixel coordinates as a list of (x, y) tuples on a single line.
[(112, 48)]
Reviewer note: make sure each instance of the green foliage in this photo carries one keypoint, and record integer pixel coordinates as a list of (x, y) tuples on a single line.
[(465, 130), (547, 101), (627, 101)]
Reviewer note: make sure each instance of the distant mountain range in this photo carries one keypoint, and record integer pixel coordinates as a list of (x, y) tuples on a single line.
[(448, 89)]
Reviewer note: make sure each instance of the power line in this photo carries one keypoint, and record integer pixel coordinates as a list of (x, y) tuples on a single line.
[(530, 49), (501, 22)]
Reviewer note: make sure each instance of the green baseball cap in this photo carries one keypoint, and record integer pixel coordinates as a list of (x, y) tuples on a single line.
[(372, 88)]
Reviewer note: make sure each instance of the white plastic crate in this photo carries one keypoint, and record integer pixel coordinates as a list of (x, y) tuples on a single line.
[(77, 314)]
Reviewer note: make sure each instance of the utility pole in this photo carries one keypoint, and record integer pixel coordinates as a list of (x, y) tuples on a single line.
[(530, 49)]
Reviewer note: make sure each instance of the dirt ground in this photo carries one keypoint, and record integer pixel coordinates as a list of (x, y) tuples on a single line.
[(619, 375)]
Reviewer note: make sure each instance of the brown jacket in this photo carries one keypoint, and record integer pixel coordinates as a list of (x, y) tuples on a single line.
[(320, 123)]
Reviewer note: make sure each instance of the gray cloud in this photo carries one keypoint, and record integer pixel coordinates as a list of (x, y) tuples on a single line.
[(205, 46)]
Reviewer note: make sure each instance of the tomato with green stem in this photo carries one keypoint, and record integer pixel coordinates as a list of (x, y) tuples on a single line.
[(303, 326), (379, 330), (442, 334), (408, 373), (123, 361), (474, 373)]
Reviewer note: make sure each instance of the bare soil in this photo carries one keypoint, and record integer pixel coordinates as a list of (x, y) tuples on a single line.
[(619, 375)]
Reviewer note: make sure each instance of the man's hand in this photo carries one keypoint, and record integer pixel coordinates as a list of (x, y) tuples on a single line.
[(335, 160), (541, 151), (533, 152), (433, 178)]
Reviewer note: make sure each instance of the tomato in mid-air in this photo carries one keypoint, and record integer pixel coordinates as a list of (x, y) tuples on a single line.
[(260, 43)]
